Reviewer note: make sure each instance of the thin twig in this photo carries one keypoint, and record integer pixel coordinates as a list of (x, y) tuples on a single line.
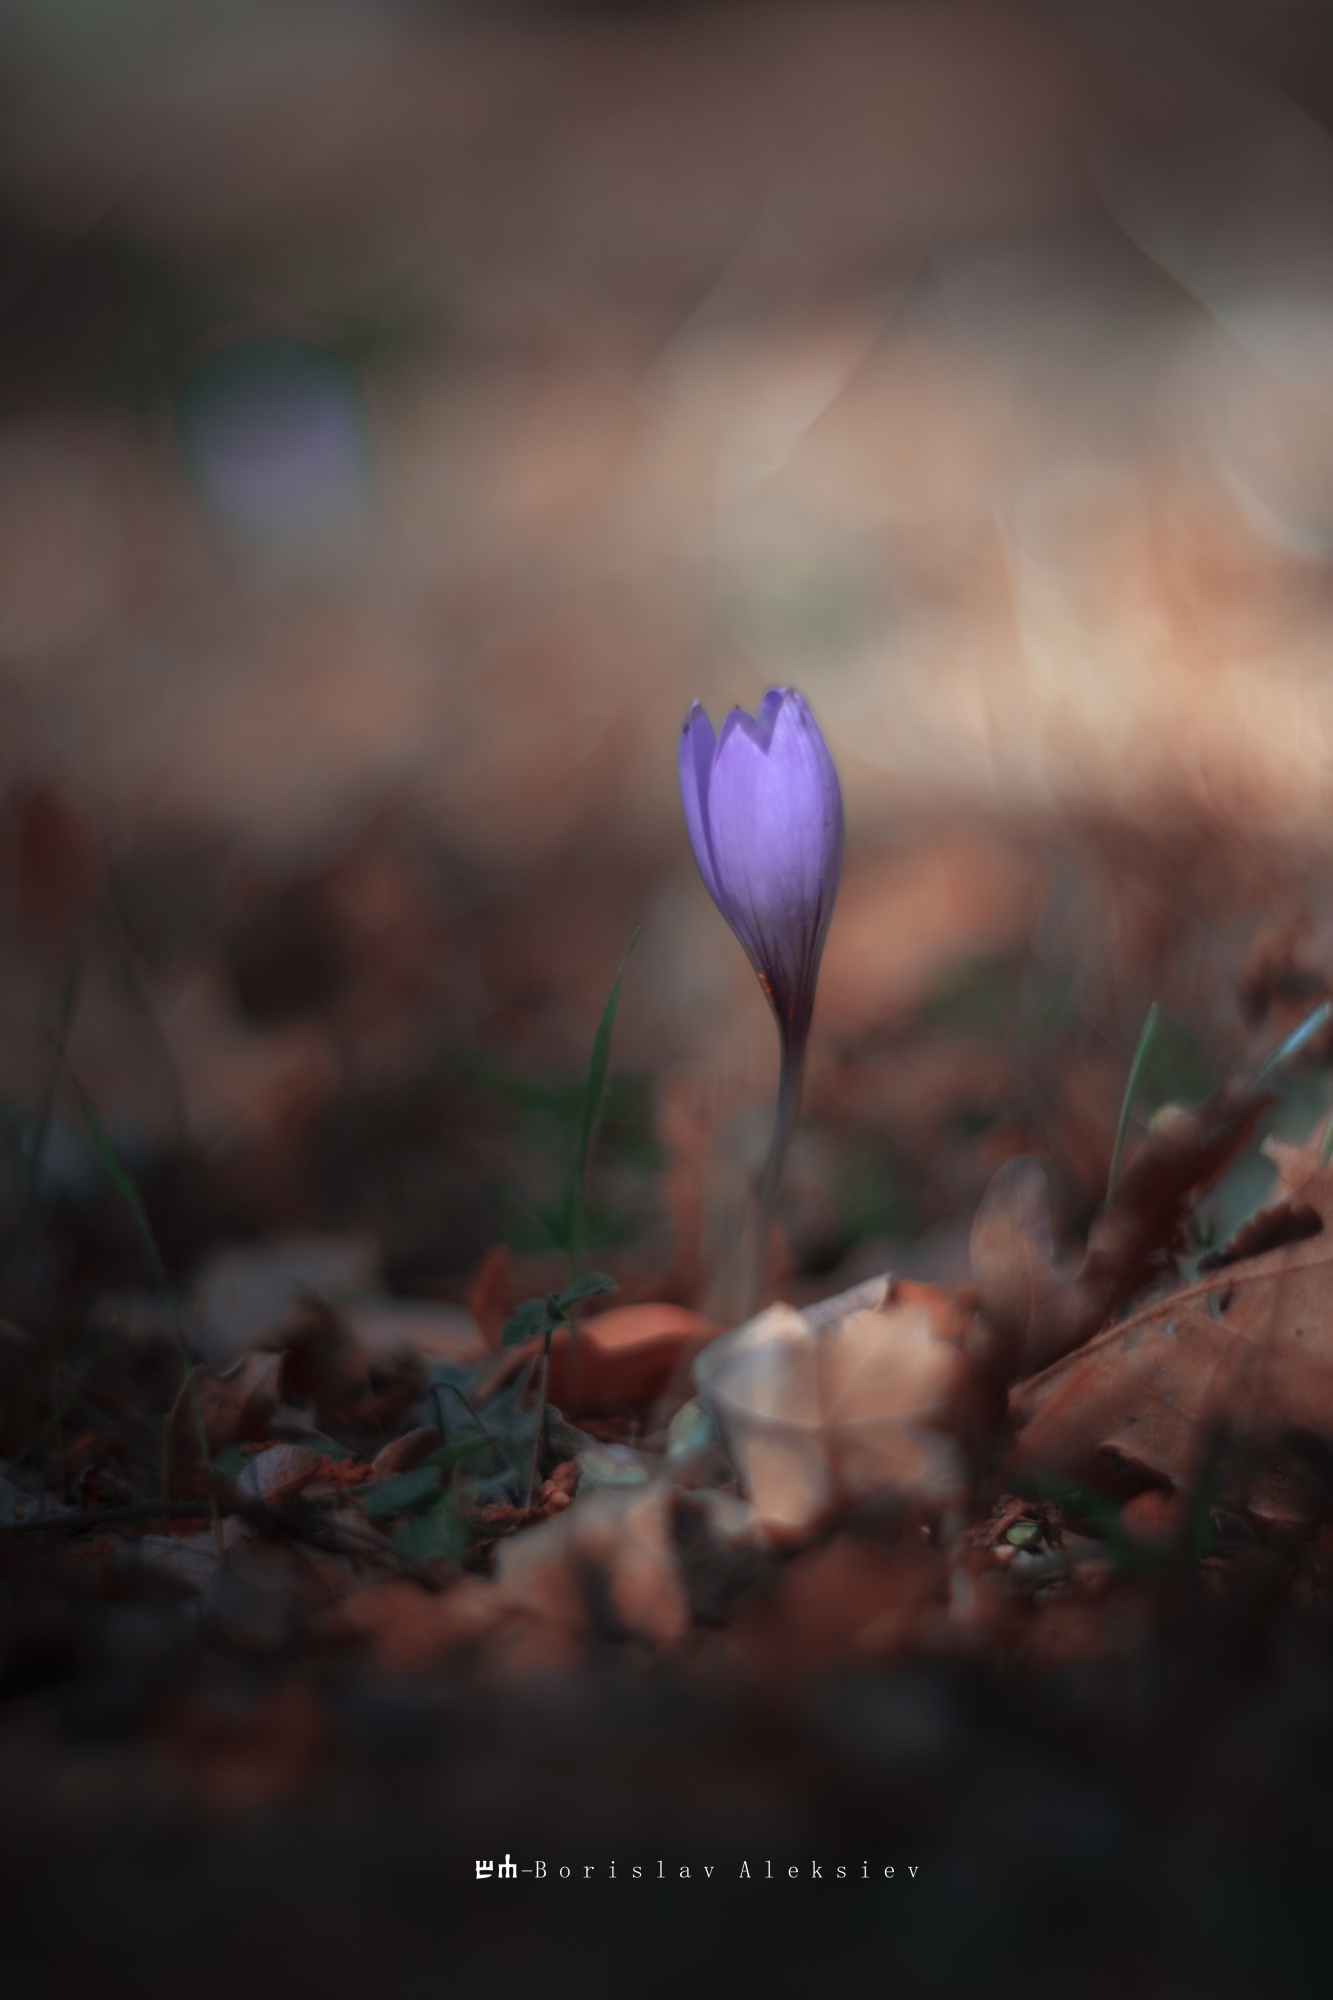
[(541, 1420)]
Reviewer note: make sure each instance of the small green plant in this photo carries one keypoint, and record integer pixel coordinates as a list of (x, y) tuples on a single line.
[(543, 1316), (129, 1194)]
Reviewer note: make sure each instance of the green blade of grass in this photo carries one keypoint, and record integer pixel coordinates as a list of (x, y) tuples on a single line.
[(1296, 1040), (56, 1417), (36, 1144), (120, 1180), (129, 1194), (1135, 1078), (593, 1093)]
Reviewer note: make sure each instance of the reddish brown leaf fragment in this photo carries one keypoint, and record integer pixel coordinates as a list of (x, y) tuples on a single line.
[(491, 1299), (405, 1452)]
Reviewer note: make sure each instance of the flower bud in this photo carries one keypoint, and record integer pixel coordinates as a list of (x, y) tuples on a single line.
[(763, 809)]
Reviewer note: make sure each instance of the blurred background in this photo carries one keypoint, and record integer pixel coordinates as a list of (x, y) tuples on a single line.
[(405, 411)]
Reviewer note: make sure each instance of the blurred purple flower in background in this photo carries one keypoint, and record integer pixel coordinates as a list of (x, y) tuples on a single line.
[(763, 809), (276, 437)]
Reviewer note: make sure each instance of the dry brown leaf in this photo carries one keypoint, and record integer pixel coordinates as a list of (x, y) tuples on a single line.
[(277, 1475), (1013, 1261), (351, 1390), (630, 1356), (1246, 1351), (236, 1406), (609, 1562), (628, 1538), (1142, 1228), (405, 1452), (1039, 1316)]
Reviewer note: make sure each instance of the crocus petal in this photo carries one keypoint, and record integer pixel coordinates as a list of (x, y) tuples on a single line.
[(775, 817), (698, 748), (772, 833)]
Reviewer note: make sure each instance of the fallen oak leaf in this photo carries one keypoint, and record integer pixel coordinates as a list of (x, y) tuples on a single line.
[(1245, 1352)]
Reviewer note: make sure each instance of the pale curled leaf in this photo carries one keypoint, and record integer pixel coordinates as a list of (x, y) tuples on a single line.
[(816, 1414)]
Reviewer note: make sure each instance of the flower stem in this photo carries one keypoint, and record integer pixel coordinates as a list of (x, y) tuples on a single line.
[(770, 1181)]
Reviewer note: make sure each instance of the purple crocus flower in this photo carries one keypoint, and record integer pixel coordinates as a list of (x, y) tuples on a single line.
[(763, 809)]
